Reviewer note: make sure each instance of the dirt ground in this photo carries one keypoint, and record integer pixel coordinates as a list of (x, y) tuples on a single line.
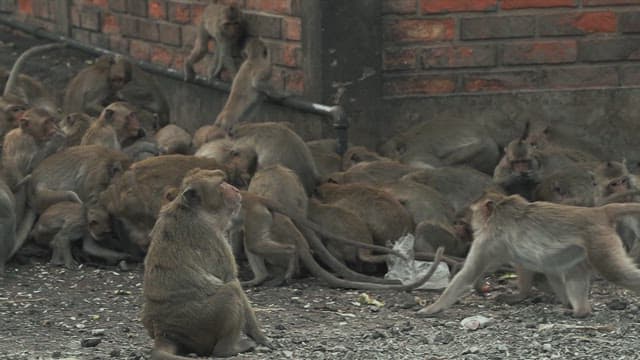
[(93, 312)]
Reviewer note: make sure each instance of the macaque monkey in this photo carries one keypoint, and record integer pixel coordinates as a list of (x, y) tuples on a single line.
[(224, 24), (207, 133), (574, 185), (563, 242), (357, 154), (26, 88), (25, 147), (444, 142), (95, 86), (373, 172), (249, 87), (74, 126), (519, 170), (193, 301), (173, 139), (8, 223), (66, 222), (325, 156), (11, 110)]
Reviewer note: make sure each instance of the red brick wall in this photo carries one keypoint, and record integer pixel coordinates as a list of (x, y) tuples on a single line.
[(479, 46), (163, 31)]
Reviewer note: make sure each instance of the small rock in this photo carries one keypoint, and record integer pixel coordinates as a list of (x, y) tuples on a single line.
[(475, 322), (90, 342), (56, 355), (546, 347), (443, 338), (97, 332), (503, 348), (114, 353), (123, 266), (287, 354), (378, 335), (280, 327), (617, 304), (471, 350)]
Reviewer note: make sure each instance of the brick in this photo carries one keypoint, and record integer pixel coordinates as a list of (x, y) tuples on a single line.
[(90, 19), (75, 17), (401, 7), (609, 2), (630, 22), (501, 81), (419, 85), (423, 30), (158, 9), (400, 59), (140, 50), (582, 77), (609, 50), (25, 7), (443, 6), (459, 56), (179, 13), (118, 5), (162, 56), (286, 54), (630, 75), (103, 4), (577, 24), (148, 30), (118, 43), (497, 27), (137, 7), (264, 25), (178, 60), (188, 36), (7, 5), (540, 52), (524, 4), (41, 9), (270, 6), (129, 26), (110, 24), (170, 34), (292, 28), (196, 13), (294, 81)]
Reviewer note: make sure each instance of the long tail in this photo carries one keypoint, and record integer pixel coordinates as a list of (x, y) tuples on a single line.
[(23, 229), (15, 71), (610, 259), (616, 210)]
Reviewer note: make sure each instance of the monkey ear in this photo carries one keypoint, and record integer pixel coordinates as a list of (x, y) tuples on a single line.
[(108, 115), (489, 205), (170, 193)]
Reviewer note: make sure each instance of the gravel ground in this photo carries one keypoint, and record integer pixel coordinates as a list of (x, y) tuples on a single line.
[(93, 313)]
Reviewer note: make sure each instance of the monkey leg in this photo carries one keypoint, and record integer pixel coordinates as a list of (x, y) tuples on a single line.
[(260, 272), (198, 52), (224, 56), (577, 282), (259, 245), (478, 261), (251, 327), (91, 247), (525, 282), (46, 197), (231, 314), (216, 66), (557, 285), (61, 246)]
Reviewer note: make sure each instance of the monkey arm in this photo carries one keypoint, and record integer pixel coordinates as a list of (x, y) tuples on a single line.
[(625, 196), (265, 88)]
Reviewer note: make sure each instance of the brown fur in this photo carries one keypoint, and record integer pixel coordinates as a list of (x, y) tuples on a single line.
[(173, 139), (249, 87), (117, 124), (207, 133), (224, 24), (11, 110), (74, 126), (563, 242), (193, 302), (8, 224), (357, 154), (373, 172)]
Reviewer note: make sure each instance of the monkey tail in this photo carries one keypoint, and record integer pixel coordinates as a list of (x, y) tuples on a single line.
[(610, 259), (15, 70), (23, 230), (616, 210)]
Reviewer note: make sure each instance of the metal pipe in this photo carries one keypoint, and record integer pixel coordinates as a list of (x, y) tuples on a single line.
[(339, 119)]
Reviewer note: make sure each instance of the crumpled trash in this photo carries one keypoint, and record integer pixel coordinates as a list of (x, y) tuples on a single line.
[(365, 299), (407, 271), (476, 322)]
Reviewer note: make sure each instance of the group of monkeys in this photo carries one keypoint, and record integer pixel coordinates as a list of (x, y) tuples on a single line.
[(112, 173)]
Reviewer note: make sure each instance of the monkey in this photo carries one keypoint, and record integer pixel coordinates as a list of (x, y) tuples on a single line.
[(11, 110), (118, 127), (373, 172), (519, 170), (386, 218), (65, 222), (95, 86), (193, 301), (557, 134), (281, 186), (8, 223), (357, 154), (459, 185), (225, 24), (28, 89), (134, 199), (564, 242), (444, 142), (173, 139), (207, 133), (249, 87), (25, 147), (74, 126), (258, 145), (325, 156), (574, 185)]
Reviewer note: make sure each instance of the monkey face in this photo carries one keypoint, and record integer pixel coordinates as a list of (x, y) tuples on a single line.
[(39, 124), (119, 74), (618, 185), (99, 223), (207, 190)]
